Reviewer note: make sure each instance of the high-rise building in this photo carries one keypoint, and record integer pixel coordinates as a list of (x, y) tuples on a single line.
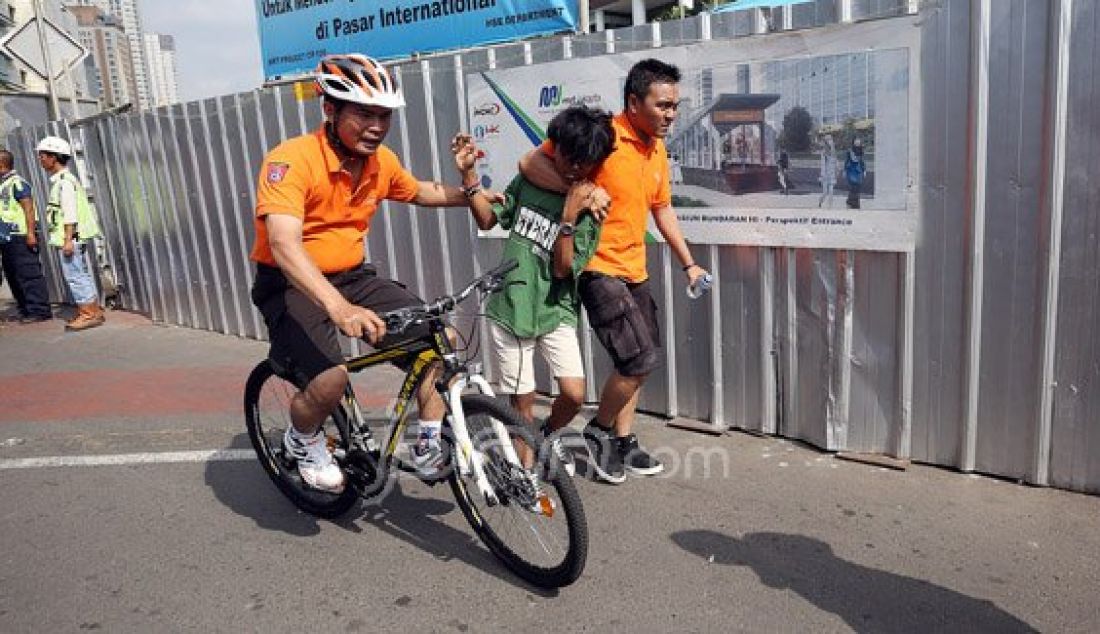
[(9, 74), (102, 34), (704, 92), (160, 53), (127, 15)]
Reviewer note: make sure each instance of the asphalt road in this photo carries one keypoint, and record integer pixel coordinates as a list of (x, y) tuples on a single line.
[(744, 534)]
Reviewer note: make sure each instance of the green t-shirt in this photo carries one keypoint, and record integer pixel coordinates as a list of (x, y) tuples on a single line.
[(541, 303)]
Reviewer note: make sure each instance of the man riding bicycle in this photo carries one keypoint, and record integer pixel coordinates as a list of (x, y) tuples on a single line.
[(316, 196)]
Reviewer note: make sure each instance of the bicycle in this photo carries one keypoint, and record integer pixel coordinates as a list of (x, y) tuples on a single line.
[(515, 512)]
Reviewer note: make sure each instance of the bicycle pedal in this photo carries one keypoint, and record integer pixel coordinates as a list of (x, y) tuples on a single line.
[(430, 480), (441, 474)]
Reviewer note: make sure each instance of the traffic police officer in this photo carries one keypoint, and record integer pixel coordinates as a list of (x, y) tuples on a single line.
[(20, 252)]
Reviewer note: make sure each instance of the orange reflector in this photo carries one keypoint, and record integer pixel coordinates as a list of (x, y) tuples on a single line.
[(546, 506)]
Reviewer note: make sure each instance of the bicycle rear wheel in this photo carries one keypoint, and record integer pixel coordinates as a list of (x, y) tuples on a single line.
[(267, 416), (544, 543)]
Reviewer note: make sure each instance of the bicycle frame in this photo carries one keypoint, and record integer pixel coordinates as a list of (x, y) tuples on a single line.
[(456, 379)]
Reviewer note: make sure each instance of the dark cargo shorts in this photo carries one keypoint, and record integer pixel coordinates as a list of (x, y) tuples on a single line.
[(303, 338), (624, 318)]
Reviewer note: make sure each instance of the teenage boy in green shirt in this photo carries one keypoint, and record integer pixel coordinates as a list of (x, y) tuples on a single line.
[(551, 237)]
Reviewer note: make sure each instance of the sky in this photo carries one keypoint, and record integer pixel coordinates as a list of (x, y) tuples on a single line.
[(217, 44)]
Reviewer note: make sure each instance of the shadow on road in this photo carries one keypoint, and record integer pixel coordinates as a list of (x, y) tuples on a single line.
[(244, 488), (413, 520), (869, 600)]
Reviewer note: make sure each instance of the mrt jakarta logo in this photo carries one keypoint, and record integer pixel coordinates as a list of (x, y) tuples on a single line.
[(550, 96), (554, 97)]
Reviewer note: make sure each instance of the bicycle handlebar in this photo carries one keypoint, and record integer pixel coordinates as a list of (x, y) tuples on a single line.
[(492, 281)]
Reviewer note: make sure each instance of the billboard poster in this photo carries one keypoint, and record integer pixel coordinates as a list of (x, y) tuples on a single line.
[(769, 148), (295, 34)]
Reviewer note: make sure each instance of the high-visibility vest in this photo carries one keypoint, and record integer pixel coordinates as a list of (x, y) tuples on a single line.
[(87, 227), (11, 212)]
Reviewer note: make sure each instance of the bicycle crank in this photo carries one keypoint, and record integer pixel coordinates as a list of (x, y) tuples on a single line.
[(362, 467)]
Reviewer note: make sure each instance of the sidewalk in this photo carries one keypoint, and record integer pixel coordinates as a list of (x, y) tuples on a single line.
[(742, 534)]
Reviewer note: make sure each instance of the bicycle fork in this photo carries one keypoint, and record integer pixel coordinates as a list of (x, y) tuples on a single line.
[(470, 461)]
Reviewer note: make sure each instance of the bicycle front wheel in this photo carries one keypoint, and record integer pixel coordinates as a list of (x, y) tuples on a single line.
[(543, 539), (267, 416)]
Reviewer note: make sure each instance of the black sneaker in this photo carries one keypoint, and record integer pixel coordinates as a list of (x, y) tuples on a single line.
[(637, 460), (603, 456)]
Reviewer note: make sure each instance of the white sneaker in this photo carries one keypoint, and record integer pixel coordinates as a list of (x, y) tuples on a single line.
[(535, 492), (315, 463), (559, 451), (540, 504), (427, 454)]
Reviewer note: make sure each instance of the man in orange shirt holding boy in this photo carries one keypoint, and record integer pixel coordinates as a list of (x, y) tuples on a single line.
[(614, 287)]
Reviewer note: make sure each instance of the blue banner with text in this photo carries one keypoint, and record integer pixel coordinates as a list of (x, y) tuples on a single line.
[(295, 34)]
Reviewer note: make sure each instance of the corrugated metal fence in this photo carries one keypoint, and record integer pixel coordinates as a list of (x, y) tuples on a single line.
[(975, 352)]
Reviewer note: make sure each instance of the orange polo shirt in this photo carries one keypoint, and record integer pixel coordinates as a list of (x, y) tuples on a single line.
[(302, 177), (636, 177)]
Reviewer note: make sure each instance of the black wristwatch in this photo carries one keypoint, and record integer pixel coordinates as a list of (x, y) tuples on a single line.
[(567, 229)]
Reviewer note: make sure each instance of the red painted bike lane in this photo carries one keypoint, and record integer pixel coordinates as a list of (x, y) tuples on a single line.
[(117, 393), (132, 369)]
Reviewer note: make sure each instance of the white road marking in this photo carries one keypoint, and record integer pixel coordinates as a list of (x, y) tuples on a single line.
[(112, 460)]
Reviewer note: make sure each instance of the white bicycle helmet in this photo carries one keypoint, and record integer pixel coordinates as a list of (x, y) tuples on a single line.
[(54, 145), (358, 79)]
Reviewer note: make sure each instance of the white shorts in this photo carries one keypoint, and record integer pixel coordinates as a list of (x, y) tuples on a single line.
[(516, 356)]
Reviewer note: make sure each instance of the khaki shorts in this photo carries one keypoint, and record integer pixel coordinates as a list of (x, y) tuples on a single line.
[(516, 356)]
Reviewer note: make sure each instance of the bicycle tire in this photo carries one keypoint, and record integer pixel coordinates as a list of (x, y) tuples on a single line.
[(267, 414), (490, 523)]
